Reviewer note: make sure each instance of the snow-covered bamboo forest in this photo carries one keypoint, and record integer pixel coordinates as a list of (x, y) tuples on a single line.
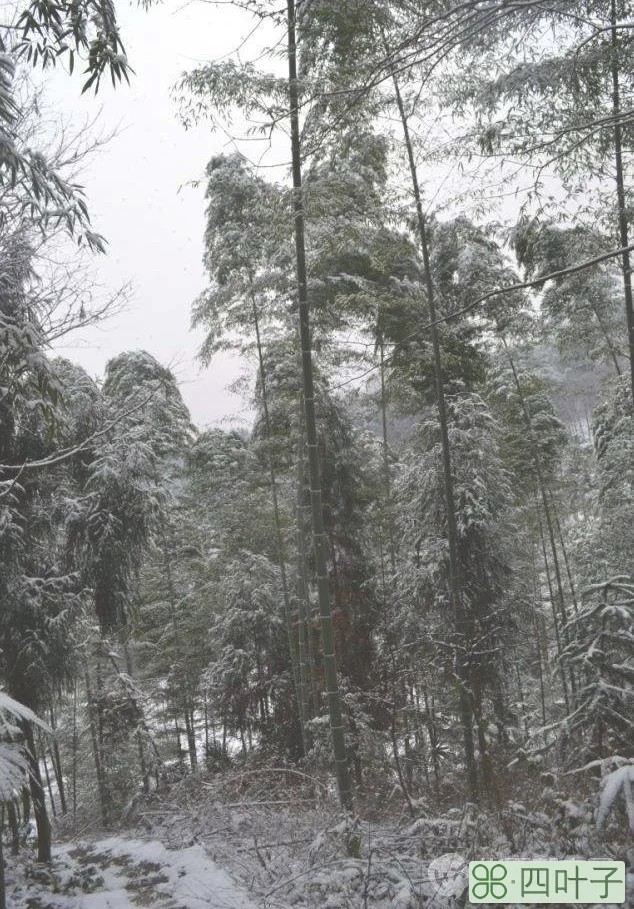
[(326, 658)]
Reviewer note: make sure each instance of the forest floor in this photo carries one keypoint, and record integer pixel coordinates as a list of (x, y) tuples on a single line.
[(270, 840), (123, 873)]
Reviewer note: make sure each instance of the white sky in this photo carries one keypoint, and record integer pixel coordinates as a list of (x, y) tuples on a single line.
[(153, 230)]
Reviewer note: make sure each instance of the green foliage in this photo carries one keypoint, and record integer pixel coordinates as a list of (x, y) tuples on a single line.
[(125, 493), (551, 103), (484, 505), (246, 256), (14, 766), (40, 588), (51, 30), (487, 547), (30, 185), (249, 641), (174, 533), (614, 446), (222, 87), (532, 438), (117, 522), (148, 399), (613, 439), (582, 310)]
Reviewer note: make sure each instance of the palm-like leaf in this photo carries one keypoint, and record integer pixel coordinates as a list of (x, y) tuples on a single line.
[(13, 759), (13, 771)]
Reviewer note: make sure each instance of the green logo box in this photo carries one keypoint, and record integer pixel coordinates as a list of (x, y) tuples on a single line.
[(518, 881)]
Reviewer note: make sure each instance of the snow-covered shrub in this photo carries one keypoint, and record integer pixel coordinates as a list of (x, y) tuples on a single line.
[(617, 786), (599, 651)]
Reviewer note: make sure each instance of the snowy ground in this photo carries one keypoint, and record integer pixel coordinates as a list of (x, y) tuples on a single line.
[(121, 873), (272, 841)]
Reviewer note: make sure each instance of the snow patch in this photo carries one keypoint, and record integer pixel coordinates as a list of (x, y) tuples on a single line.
[(125, 873)]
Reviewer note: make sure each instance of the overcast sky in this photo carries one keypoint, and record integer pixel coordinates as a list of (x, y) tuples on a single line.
[(154, 230)]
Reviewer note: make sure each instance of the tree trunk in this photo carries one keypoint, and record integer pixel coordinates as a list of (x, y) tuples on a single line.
[(562, 670), (560, 589), (310, 690), (75, 746), (37, 796), (608, 340), (394, 738), (461, 620), (320, 539), (543, 495), (293, 644), (26, 804), (191, 739), (206, 716), (386, 462), (57, 766), (620, 190), (179, 748), (48, 783), (432, 732), (3, 896), (564, 552), (537, 628), (522, 700), (141, 726), (102, 786), (14, 827)]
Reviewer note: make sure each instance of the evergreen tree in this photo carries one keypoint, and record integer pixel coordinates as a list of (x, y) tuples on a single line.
[(600, 649), (582, 309), (485, 517), (560, 109)]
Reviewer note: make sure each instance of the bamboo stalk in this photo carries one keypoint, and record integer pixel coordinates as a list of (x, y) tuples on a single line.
[(320, 539)]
